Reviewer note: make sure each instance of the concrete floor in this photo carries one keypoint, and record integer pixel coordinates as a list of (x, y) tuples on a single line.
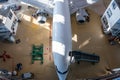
[(87, 37)]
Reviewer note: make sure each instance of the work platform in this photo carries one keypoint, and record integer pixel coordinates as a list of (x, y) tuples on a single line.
[(83, 56)]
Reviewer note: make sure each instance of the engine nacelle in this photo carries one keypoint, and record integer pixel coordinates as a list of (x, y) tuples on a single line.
[(41, 19)]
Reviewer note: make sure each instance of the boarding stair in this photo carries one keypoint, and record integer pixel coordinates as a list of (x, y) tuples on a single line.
[(83, 56)]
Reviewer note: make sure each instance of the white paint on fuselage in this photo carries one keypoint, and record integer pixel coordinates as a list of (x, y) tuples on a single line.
[(58, 48), (59, 18)]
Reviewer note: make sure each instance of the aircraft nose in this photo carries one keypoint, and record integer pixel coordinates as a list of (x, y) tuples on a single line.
[(62, 76)]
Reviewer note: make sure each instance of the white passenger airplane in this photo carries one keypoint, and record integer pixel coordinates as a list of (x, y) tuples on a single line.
[(60, 10), (61, 32)]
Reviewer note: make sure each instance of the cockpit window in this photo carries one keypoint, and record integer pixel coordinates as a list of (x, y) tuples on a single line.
[(61, 72)]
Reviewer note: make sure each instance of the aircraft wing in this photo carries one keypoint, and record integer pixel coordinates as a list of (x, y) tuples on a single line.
[(77, 4), (48, 5)]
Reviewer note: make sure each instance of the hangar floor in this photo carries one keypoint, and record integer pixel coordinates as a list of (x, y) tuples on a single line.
[(87, 37)]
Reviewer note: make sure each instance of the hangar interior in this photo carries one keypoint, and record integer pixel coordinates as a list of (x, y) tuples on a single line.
[(88, 37)]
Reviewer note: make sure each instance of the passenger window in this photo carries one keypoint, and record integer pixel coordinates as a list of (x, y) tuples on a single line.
[(10, 15), (109, 13), (114, 5)]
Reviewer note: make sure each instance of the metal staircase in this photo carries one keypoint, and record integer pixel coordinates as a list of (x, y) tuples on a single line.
[(82, 56)]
